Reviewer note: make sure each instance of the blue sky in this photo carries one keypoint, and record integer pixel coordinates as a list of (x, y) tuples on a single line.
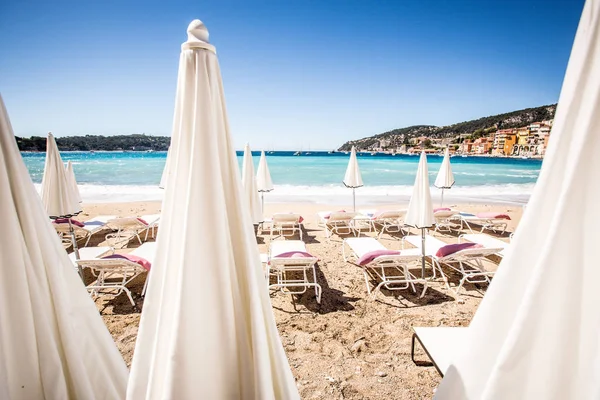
[(297, 73)]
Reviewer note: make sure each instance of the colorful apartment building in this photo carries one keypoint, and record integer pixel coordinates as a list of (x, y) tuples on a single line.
[(504, 140)]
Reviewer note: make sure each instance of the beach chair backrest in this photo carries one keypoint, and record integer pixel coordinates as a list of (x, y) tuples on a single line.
[(393, 214), (113, 265), (471, 253), (443, 214), (286, 218), (341, 216)]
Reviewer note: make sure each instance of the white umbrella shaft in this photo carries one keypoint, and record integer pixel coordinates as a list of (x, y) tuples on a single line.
[(353, 200), (423, 250), (75, 248), (442, 201)]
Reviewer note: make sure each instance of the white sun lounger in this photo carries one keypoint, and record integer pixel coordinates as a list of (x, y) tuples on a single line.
[(391, 270), (390, 221), (337, 222), (439, 343), (113, 274), (129, 227), (486, 241), (468, 262), (291, 272), (90, 227), (88, 253), (492, 224), (445, 221), (285, 224)]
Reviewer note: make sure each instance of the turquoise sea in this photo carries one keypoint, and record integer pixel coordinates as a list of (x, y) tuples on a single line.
[(313, 177)]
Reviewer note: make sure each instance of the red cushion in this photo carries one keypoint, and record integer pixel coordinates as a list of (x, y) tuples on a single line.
[(442, 209), (142, 221), (292, 254), (453, 248), (370, 256), (66, 221), (139, 260), (493, 215)]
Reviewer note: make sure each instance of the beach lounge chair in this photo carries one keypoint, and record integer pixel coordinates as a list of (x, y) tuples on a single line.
[(390, 268), (440, 344), (290, 263), (83, 230), (492, 221), (468, 261), (390, 221), (88, 253), (115, 273), (444, 220), (338, 222), (286, 224), (486, 241), (129, 227)]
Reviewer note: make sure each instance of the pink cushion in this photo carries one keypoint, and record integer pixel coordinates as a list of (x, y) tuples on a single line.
[(328, 215), (453, 248), (370, 256), (138, 260), (441, 209), (294, 254), (66, 221), (143, 221), (493, 215)]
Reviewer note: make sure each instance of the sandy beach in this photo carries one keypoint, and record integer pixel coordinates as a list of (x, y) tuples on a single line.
[(349, 346)]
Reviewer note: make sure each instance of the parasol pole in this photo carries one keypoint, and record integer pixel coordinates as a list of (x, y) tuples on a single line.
[(423, 251), (75, 249)]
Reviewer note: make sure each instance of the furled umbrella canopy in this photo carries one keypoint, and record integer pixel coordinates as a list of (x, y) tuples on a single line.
[(166, 171), (420, 208), (250, 189), (263, 180), (57, 193), (72, 181), (445, 177), (53, 342), (207, 330), (353, 178), (535, 333)]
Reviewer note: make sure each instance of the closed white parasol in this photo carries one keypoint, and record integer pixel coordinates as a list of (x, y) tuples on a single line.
[(353, 179), (535, 333), (420, 209), (250, 189), (207, 330), (58, 196), (263, 180), (53, 342), (445, 177)]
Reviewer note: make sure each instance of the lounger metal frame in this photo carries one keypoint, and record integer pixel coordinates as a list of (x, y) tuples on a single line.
[(493, 224), (393, 223), (379, 270), (285, 225), (444, 221), (282, 267), (128, 228), (337, 224), (468, 262), (113, 274)]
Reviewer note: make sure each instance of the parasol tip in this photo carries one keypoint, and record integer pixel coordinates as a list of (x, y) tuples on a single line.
[(197, 31)]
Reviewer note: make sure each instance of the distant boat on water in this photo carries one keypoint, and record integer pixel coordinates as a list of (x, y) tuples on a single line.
[(297, 153)]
